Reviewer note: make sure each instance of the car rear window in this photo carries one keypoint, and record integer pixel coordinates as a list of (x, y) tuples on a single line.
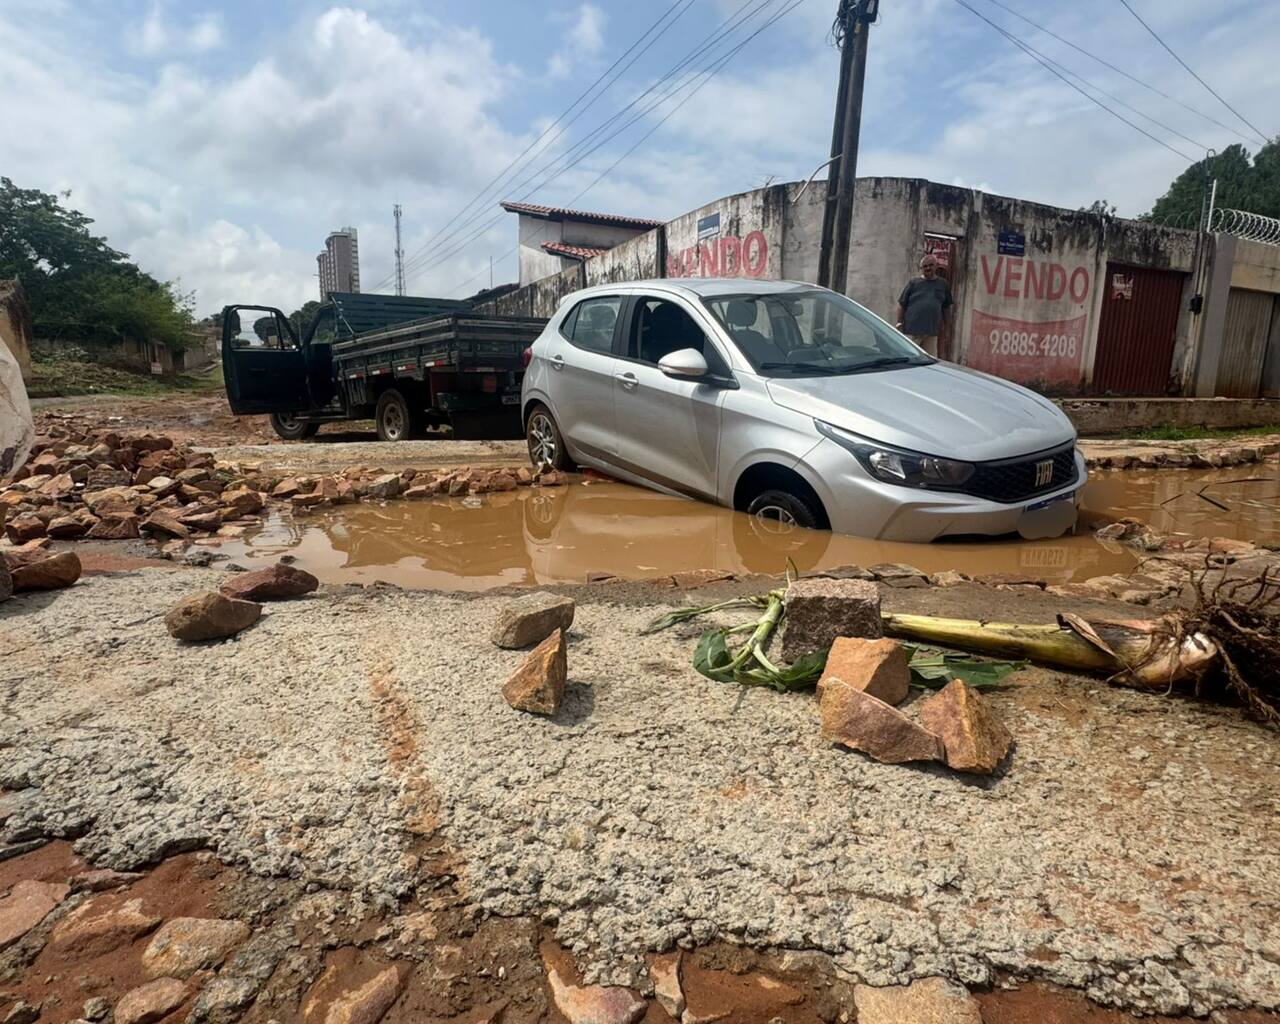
[(590, 324)]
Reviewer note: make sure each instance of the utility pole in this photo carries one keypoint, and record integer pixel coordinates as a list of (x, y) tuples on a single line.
[(851, 29), (399, 254)]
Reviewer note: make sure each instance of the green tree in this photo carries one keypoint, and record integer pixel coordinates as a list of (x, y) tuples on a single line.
[(1244, 183), (75, 278)]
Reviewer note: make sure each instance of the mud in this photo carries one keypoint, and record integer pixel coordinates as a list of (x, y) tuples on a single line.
[(1242, 503), (566, 534)]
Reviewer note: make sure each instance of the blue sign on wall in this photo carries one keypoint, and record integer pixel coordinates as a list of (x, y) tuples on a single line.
[(709, 226), (1012, 243)]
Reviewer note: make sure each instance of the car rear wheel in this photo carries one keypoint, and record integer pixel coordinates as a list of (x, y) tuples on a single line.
[(546, 445), (292, 427), (394, 418), (785, 508)]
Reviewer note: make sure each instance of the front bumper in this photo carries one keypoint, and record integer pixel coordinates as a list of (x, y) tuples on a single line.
[(860, 505)]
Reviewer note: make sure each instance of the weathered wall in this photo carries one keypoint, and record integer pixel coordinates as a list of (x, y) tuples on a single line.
[(1256, 267), (537, 263), (1098, 417), (738, 236), (15, 324), (1027, 278)]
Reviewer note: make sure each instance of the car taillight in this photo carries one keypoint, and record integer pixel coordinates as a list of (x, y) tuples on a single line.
[(527, 357)]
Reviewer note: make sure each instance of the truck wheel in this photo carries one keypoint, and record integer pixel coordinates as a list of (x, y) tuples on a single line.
[(546, 446), (393, 417), (292, 427)]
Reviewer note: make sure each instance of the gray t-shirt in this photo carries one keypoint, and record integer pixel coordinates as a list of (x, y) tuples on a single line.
[(924, 302)]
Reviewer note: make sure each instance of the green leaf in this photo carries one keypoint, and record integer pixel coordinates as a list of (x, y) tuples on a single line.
[(712, 657), (932, 669)]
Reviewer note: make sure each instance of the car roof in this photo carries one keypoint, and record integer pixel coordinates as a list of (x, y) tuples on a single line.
[(695, 287)]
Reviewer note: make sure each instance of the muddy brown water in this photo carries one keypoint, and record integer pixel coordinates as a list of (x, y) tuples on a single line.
[(560, 535)]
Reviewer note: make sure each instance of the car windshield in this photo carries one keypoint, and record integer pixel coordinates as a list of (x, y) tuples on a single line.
[(811, 333)]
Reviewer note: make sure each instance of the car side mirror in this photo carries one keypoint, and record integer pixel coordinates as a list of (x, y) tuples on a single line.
[(684, 364)]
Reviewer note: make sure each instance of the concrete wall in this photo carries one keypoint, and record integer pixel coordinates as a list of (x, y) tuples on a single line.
[(1256, 267), (1098, 417), (1027, 278)]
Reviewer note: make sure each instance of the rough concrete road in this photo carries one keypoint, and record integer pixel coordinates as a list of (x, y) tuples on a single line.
[(1130, 849), (331, 456)]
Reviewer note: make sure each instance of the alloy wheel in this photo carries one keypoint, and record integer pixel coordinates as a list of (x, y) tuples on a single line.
[(542, 439)]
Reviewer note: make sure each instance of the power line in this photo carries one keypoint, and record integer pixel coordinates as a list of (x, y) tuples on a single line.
[(563, 114), (1092, 99), (1097, 88), (584, 147), (712, 71), (577, 153), (1156, 37), (1118, 70)]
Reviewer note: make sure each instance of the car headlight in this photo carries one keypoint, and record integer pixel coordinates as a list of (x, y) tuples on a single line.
[(897, 465)]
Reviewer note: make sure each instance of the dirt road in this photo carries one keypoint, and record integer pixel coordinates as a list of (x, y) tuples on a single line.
[(1130, 850)]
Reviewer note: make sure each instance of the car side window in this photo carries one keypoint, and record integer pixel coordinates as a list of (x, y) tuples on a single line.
[(591, 324), (660, 327)]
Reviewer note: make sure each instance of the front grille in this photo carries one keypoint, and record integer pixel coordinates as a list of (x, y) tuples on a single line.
[(1014, 480)]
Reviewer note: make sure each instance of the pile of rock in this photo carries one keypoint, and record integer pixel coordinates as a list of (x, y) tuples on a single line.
[(108, 486), (105, 486), (867, 677)]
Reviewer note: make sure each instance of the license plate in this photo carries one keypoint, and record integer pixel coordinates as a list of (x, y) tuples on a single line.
[(510, 399), (1050, 501), (1047, 519)]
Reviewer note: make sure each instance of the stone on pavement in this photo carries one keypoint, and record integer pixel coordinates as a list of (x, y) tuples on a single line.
[(27, 904), (185, 945), (274, 583), (363, 1005), (595, 1004), (208, 615), (148, 1003), (52, 573), (115, 527), (973, 737), (388, 485), (6, 581), (163, 524), (855, 719), (927, 1001), (819, 610), (537, 686), (877, 667), (94, 928), (664, 971), (531, 619)]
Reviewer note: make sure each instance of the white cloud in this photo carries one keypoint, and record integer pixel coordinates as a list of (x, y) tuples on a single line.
[(158, 36), (583, 40)]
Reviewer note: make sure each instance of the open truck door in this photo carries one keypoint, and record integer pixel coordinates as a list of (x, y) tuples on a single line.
[(263, 364)]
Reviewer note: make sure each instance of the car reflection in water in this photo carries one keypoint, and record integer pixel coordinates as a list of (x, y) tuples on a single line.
[(557, 535)]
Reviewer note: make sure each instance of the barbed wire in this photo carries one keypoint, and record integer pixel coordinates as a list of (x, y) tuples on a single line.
[(1254, 227)]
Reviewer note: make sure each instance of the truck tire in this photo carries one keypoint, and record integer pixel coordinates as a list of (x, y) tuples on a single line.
[(292, 427), (395, 418), (546, 445)]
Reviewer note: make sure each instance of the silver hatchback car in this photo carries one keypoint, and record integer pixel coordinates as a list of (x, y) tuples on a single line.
[(792, 402)]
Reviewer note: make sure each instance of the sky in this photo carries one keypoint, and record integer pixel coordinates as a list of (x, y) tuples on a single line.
[(219, 143)]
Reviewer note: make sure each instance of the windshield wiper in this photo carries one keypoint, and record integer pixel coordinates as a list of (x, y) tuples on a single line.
[(876, 364), (805, 367)]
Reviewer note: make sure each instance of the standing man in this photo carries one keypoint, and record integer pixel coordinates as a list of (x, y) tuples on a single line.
[(924, 306)]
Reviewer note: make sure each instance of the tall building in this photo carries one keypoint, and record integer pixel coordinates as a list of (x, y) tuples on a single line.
[(339, 263)]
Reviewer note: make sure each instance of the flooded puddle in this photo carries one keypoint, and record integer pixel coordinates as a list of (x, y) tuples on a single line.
[(560, 535), (1241, 503)]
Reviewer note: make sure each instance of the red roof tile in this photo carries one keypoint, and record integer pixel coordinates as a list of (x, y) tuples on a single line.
[(573, 252), (560, 214)]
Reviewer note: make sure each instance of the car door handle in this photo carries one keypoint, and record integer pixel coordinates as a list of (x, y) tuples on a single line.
[(627, 380), (557, 362)]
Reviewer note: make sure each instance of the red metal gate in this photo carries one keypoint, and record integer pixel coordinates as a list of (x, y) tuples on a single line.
[(1140, 309)]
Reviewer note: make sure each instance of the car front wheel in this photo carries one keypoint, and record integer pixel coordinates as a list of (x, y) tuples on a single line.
[(546, 445), (785, 508)]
